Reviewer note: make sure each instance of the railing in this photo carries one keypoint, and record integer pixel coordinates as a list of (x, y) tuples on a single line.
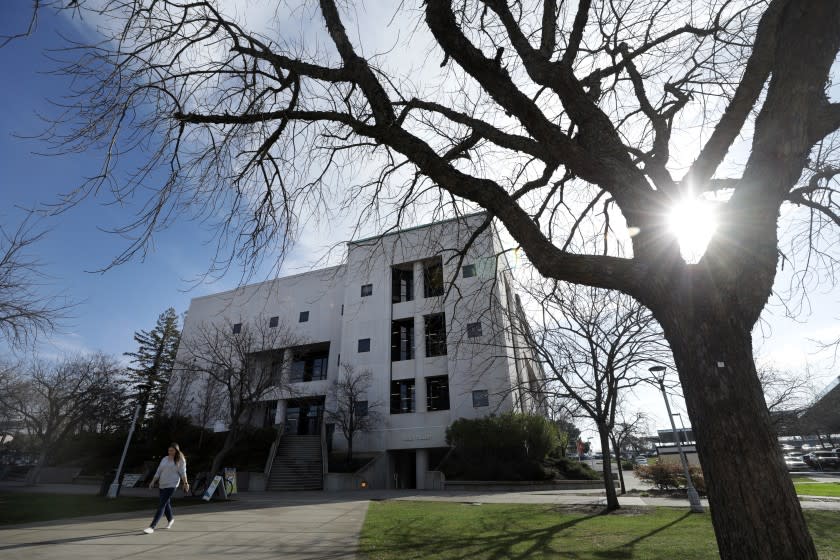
[(272, 451), (325, 459)]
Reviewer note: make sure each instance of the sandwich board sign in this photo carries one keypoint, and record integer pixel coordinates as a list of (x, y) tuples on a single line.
[(212, 488)]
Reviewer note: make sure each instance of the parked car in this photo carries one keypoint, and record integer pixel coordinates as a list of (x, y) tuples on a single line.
[(795, 463), (640, 460), (823, 460)]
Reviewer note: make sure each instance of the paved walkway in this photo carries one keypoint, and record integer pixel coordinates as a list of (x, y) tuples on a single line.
[(260, 527)]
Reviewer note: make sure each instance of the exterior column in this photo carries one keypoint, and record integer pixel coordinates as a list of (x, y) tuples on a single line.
[(422, 465), (280, 415)]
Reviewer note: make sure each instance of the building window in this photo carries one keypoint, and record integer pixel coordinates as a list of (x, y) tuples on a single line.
[(270, 414), (342, 310), (437, 393), (273, 322), (468, 271), (402, 396), (402, 283), (367, 290), (474, 330), (364, 345), (276, 372), (304, 317), (433, 278), (338, 361), (309, 367), (480, 398), (402, 340), (361, 409), (435, 328), (237, 328)]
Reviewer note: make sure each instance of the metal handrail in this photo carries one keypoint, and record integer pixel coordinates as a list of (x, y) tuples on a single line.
[(272, 451)]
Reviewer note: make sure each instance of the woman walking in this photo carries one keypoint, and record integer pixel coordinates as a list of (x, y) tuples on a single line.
[(171, 471)]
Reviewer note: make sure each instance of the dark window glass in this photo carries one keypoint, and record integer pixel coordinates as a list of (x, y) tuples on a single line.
[(270, 414), (338, 361), (304, 317), (276, 372), (237, 328), (367, 289), (468, 271), (433, 278), (364, 345), (273, 322), (480, 398), (342, 309), (402, 396), (402, 340), (435, 334), (402, 284), (437, 393), (473, 330), (361, 408), (311, 367)]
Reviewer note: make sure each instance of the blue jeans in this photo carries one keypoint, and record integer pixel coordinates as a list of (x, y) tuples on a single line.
[(164, 506)]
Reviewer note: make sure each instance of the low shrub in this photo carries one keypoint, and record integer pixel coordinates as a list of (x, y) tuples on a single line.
[(670, 476), (571, 469)]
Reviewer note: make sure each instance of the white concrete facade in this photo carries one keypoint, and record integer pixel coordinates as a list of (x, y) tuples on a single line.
[(355, 302)]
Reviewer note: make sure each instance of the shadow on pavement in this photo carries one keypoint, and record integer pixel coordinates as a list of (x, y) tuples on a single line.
[(69, 540)]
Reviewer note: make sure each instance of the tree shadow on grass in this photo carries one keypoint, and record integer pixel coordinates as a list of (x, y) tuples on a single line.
[(625, 550), (500, 546)]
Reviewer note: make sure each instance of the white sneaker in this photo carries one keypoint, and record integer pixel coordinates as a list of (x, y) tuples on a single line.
[(170, 524), (148, 530)]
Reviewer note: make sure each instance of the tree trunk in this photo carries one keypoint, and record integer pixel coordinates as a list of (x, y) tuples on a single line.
[(609, 486), (35, 472), (349, 450), (753, 504), (230, 441), (617, 452)]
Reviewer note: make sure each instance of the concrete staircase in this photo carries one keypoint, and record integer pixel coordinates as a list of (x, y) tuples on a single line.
[(297, 464)]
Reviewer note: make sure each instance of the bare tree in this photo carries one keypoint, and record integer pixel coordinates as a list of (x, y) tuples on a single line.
[(25, 312), (55, 399), (352, 411), (560, 120), (595, 344), (240, 365), (626, 428), (784, 390)]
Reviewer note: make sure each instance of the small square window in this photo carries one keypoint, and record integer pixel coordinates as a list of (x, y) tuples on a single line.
[(474, 330), (468, 270), (364, 345), (361, 409), (237, 328), (273, 322), (367, 289), (304, 317), (480, 398)]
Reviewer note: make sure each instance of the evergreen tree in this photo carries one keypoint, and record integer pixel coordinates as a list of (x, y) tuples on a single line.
[(154, 360)]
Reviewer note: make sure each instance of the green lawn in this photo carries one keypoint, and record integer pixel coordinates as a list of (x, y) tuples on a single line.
[(818, 488), (429, 531), (27, 508)]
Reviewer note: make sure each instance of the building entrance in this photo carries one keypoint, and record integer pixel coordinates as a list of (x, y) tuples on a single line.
[(404, 469), (303, 416)]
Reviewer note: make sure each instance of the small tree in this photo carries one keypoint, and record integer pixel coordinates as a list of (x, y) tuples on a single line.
[(595, 344), (54, 399), (625, 428), (235, 362), (352, 412), (154, 360)]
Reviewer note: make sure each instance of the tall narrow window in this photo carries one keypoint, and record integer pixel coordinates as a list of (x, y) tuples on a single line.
[(361, 409), (273, 322), (433, 278), (402, 340), (367, 289), (304, 317), (402, 396), (437, 393), (237, 328), (435, 330), (402, 283)]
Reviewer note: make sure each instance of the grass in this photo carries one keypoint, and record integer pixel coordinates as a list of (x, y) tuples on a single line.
[(830, 489), (437, 531), (19, 507)]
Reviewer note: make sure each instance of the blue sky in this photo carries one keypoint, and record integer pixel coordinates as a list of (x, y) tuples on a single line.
[(114, 304)]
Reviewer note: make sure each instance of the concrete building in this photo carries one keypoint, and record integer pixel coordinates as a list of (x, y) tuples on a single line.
[(428, 311)]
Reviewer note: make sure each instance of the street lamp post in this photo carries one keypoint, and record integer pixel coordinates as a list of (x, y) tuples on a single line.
[(114, 489), (693, 496)]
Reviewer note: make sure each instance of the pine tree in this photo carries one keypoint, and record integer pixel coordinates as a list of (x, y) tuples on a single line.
[(154, 360)]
